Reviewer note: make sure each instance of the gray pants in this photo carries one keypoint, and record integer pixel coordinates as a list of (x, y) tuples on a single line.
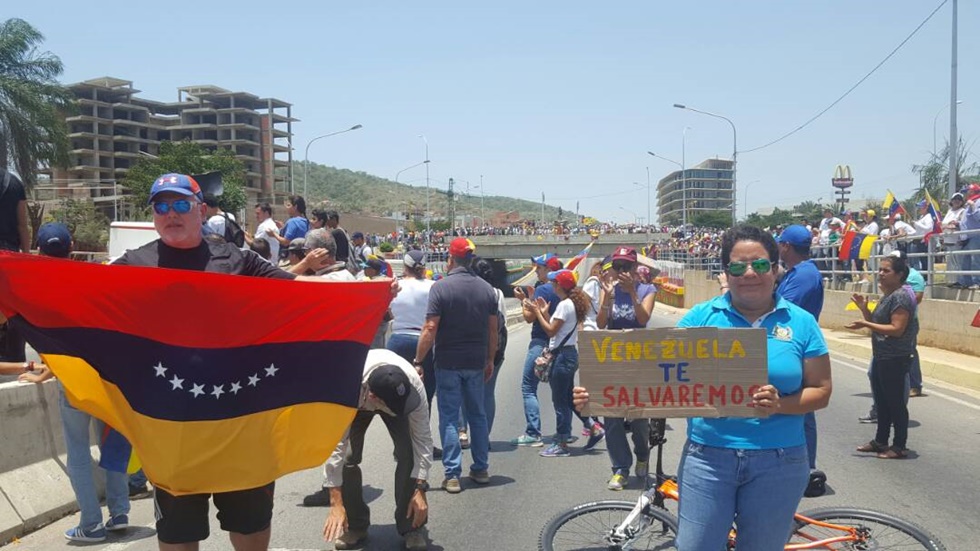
[(358, 513)]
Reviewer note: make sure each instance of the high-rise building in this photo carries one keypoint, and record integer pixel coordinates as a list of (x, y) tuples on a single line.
[(112, 128), (706, 187)]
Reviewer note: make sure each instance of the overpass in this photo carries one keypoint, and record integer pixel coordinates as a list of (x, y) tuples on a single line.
[(527, 246)]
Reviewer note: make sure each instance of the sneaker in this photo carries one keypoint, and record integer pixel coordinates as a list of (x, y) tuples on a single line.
[(351, 539), (140, 492), (555, 450), (480, 477), (915, 392), (871, 418), (94, 535), (586, 432), (817, 486), (527, 440), (642, 469), (598, 433), (617, 482), (570, 439), (319, 498), (415, 541), (118, 522), (451, 485), (464, 440)]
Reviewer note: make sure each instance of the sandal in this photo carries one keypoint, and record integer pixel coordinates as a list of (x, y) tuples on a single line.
[(893, 453), (873, 447)]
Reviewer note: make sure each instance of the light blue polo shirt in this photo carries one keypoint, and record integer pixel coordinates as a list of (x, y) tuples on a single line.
[(786, 354)]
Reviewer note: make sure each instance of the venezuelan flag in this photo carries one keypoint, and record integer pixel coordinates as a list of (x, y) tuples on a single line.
[(856, 245), (937, 219), (116, 453), (219, 382), (892, 206)]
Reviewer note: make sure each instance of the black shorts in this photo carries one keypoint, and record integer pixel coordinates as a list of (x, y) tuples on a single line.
[(184, 519)]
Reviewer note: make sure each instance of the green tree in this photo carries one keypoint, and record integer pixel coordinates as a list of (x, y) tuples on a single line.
[(716, 219), (934, 174), (33, 104), (188, 158), (88, 226)]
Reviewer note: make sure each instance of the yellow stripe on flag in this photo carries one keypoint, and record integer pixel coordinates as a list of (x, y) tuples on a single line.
[(212, 456), (866, 246)]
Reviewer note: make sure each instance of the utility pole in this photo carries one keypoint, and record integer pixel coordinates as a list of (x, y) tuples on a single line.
[(953, 137), (452, 207), (542, 211)]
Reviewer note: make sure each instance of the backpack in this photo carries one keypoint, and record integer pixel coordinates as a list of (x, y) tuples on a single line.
[(233, 232), (498, 358)]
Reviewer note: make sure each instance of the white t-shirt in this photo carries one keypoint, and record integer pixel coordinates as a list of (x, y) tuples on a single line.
[(409, 307), (871, 228), (339, 275), (954, 215), (565, 312), (217, 223), (924, 224), (900, 226), (592, 288), (260, 233)]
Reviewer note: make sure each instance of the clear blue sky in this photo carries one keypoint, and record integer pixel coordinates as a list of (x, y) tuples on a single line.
[(563, 98)]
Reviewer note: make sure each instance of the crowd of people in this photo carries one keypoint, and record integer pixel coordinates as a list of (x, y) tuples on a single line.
[(447, 341)]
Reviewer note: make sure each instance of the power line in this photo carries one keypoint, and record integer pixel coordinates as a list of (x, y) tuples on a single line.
[(852, 88)]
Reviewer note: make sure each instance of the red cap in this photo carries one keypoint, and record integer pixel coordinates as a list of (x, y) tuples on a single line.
[(625, 253), (461, 247), (554, 264), (564, 279)]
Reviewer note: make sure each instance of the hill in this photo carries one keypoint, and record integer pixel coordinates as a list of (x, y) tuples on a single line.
[(362, 193)]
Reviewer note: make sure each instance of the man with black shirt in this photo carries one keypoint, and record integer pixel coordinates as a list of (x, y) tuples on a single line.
[(340, 237), (15, 235), (178, 212)]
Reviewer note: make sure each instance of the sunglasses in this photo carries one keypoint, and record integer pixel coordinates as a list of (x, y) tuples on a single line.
[(622, 266), (180, 206), (759, 266)]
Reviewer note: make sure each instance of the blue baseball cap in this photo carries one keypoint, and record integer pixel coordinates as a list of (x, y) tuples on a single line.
[(796, 235), (54, 239), (177, 183), (542, 260)]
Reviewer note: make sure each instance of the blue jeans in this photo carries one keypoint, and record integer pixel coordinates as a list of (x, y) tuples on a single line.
[(137, 479), (619, 449), (489, 401), (462, 388), (970, 261), (762, 488), (76, 427), (810, 431), (562, 380), (529, 388), (406, 346)]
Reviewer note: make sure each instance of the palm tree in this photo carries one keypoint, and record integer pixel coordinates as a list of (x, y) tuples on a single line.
[(934, 175), (32, 103)]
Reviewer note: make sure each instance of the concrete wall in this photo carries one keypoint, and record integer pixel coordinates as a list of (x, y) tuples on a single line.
[(943, 324), (34, 485)]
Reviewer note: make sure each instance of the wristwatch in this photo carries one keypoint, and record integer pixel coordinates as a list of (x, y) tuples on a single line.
[(28, 367), (417, 363)]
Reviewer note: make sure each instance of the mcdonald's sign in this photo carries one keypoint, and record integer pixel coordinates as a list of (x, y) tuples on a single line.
[(842, 177)]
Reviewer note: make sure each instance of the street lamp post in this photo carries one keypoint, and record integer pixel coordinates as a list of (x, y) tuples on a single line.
[(746, 209), (683, 180), (428, 214), (306, 157), (934, 121), (482, 211), (734, 148), (631, 212), (397, 174)]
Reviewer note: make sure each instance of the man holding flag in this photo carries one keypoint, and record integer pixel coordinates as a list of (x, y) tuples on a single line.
[(971, 221)]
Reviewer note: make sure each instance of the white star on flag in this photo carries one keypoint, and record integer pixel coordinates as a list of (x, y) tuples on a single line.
[(177, 383), (218, 391), (235, 387), (271, 370), (197, 390), (161, 371), (253, 380)]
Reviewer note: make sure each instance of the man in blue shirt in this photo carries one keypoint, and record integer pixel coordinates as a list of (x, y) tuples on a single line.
[(802, 285), (543, 264), (296, 226)]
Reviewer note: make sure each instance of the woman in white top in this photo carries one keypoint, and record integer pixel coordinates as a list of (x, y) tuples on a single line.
[(562, 329), (408, 313)]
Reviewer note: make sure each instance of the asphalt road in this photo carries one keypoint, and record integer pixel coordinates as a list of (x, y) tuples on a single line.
[(937, 487)]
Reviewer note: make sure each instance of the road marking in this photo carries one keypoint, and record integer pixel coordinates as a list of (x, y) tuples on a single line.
[(953, 399)]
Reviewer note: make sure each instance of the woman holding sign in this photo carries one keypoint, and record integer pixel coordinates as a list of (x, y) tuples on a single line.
[(754, 469), (562, 330), (625, 302)]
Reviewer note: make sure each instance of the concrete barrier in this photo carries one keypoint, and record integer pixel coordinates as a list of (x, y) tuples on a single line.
[(34, 485)]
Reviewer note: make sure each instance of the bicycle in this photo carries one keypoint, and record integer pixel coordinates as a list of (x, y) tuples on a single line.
[(648, 525)]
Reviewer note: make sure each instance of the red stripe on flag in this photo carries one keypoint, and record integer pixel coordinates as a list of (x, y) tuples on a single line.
[(187, 308), (844, 254)]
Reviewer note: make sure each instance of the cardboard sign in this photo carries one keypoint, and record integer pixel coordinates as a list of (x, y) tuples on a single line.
[(691, 372)]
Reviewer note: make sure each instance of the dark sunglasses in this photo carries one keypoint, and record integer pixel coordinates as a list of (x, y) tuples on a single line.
[(180, 206), (622, 266), (759, 266)]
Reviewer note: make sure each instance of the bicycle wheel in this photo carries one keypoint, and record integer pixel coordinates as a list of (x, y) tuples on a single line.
[(881, 531), (589, 527)]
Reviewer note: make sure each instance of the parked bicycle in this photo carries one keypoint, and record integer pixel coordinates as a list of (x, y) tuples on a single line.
[(648, 525)]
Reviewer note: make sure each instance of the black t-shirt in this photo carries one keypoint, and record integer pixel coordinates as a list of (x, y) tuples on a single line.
[(10, 198), (343, 244), (464, 303), (209, 256)]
